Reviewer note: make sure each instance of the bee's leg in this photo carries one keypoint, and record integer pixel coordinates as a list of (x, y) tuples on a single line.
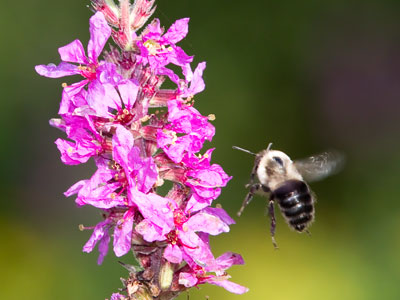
[(253, 171), (253, 189), (271, 213)]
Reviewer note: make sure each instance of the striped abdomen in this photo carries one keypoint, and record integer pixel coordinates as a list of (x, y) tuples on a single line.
[(296, 203)]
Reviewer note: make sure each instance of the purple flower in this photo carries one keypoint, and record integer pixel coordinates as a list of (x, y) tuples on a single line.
[(206, 183), (123, 234), (193, 83), (159, 50), (140, 172), (198, 275), (123, 226), (205, 180), (117, 296), (87, 141), (164, 221), (100, 235), (88, 67), (74, 52), (107, 187), (193, 129), (115, 103), (100, 190)]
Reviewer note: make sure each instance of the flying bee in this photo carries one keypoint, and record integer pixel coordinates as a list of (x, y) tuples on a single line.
[(284, 181)]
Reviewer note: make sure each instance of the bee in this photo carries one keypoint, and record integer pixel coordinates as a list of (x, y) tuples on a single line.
[(284, 182)]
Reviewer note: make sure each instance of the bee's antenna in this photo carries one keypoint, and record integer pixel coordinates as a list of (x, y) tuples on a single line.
[(269, 146), (244, 150)]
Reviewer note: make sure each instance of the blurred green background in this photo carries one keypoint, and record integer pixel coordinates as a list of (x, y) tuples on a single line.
[(305, 75)]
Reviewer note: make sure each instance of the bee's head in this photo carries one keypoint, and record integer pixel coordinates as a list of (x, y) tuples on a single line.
[(274, 168), (275, 162)]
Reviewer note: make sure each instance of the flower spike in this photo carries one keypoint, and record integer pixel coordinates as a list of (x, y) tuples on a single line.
[(142, 136)]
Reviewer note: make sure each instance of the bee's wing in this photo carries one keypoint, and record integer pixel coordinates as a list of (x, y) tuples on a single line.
[(321, 165)]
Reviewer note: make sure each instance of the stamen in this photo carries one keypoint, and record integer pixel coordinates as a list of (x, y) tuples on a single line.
[(82, 228)]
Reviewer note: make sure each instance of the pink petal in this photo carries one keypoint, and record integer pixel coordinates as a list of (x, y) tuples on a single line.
[(53, 71), (229, 286), (102, 196), (103, 247), (153, 31), (179, 57), (57, 123), (123, 234), (68, 153), (122, 146), (176, 32), (145, 171), (149, 231), (99, 34), (206, 223), (99, 97), (155, 208), (173, 254), (196, 203), (98, 233), (197, 83), (75, 188), (128, 91), (228, 259), (220, 213), (187, 72), (201, 253), (73, 96), (107, 73), (187, 279), (117, 296), (168, 72), (73, 52)]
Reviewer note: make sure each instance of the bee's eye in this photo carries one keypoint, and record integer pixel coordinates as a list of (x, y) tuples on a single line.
[(278, 160)]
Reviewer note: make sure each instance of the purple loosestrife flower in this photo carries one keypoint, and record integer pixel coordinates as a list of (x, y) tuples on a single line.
[(88, 142), (186, 120), (140, 137), (89, 67), (197, 275), (158, 49)]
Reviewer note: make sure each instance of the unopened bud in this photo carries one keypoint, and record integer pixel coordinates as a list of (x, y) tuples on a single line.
[(166, 275)]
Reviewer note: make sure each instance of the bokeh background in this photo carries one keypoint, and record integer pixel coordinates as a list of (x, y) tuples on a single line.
[(305, 75)]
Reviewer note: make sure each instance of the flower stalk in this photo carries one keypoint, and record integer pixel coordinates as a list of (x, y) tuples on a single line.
[(141, 137)]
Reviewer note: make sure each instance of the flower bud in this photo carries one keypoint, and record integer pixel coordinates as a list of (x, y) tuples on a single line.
[(166, 275)]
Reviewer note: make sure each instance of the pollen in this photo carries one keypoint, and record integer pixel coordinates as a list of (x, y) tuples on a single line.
[(64, 84), (174, 138), (211, 117), (145, 118), (152, 46), (70, 150)]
